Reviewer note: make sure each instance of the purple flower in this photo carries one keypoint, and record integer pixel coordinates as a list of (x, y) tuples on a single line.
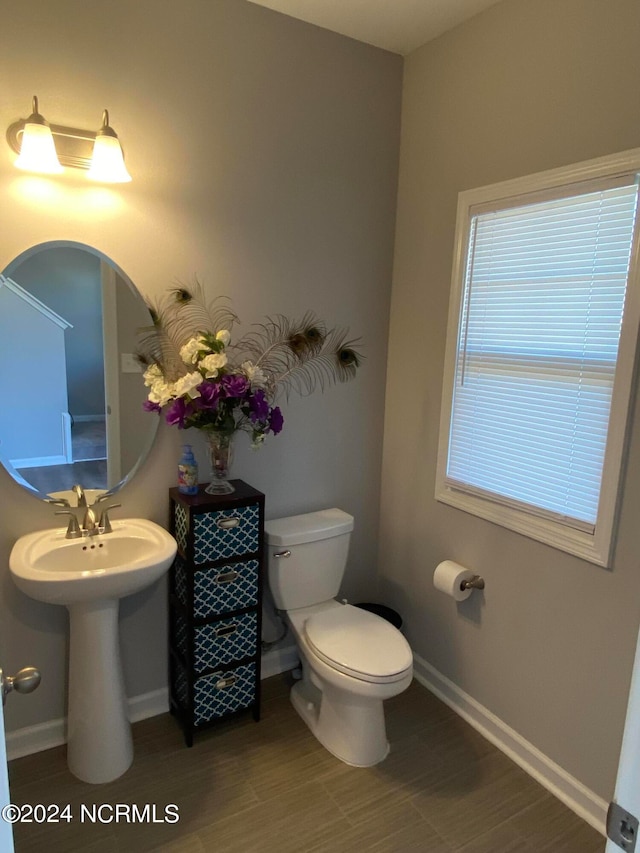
[(235, 384), (177, 412), (276, 421), (209, 395), (258, 405), (148, 406)]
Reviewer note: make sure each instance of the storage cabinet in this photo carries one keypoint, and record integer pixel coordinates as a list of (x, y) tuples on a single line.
[(215, 606)]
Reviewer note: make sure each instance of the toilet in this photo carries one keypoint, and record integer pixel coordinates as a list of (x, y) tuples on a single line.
[(352, 660)]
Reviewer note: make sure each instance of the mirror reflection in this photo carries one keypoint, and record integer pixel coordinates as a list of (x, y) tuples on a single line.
[(72, 388)]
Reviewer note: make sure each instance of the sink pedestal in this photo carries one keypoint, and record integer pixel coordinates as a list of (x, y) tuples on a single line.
[(99, 743), (89, 576)]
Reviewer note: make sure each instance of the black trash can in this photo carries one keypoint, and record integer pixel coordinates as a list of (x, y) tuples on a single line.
[(385, 612)]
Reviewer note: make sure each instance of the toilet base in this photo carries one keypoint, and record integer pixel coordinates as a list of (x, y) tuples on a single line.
[(347, 726), (344, 713)]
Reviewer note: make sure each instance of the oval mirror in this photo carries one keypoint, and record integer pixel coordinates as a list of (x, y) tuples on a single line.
[(72, 389)]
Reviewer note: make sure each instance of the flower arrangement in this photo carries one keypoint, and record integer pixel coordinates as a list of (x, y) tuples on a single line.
[(200, 377), (213, 394)]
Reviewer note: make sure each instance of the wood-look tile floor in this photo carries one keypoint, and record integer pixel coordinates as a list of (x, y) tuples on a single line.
[(270, 786)]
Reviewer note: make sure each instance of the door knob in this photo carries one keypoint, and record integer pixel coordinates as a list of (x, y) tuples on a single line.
[(24, 681)]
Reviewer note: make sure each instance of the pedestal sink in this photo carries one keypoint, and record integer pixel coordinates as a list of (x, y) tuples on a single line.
[(89, 576)]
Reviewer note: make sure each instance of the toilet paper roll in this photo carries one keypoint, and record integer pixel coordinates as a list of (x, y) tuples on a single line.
[(448, 577)]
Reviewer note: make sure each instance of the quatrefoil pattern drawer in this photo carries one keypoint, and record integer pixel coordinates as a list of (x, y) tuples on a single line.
[(219, 693), (232, 586), (219, 643), (219, 535)]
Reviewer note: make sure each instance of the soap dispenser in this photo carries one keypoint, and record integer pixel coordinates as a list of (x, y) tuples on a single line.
[(188, 472)]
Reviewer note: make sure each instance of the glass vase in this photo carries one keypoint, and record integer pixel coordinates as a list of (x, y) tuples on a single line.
[(221, 457)]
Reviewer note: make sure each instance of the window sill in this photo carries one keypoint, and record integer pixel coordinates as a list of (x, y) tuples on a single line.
[(594, 548)]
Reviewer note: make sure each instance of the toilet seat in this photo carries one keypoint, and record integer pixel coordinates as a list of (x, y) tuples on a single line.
[(359, 643)]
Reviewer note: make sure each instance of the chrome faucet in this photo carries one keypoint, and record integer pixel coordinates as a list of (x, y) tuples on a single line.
[(73, 528), (90, 525), (79, 492), (58, 501), (104, 525), (89, 522)]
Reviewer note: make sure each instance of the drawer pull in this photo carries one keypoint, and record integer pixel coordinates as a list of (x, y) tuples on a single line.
[(228, 523), (227, 577), (226, 630), (227, 681)]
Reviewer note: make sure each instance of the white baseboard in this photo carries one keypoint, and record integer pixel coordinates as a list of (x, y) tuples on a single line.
[(576, 796), (149, 705), (35, 738), (53, 733), (38, 461)]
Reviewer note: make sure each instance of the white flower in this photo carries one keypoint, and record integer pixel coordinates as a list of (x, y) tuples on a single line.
[(254, 374), (187, 385), (189, 352), (211, 364), (224, 336), (152, 375), (161, 392)]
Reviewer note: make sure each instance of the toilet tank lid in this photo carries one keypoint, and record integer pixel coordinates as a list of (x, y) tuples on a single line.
[(309, 527)]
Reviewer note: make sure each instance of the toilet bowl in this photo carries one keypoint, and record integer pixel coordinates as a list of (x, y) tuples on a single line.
[(341, 694), (352, 660)]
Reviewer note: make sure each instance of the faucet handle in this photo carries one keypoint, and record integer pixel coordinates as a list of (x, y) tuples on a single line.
[(73, 528), (104, 524), (103, 497), (58, 501)]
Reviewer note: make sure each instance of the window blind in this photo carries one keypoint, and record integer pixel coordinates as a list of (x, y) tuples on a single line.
[(541, 314)]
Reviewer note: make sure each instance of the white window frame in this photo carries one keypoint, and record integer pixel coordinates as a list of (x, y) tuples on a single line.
[(595, 546)]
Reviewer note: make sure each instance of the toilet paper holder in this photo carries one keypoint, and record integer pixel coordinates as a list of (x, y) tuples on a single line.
[(476, 582)]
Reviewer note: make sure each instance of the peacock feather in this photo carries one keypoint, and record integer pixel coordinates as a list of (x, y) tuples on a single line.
[(296, 355), (205, 379)]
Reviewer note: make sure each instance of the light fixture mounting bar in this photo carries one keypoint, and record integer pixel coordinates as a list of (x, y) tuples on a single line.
[(73, 146)]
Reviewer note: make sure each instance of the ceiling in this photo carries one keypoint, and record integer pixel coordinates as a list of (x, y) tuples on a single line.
[(396, 25)]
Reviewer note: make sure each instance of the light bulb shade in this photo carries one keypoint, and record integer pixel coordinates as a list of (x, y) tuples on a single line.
[(107, 163), (37, 150)]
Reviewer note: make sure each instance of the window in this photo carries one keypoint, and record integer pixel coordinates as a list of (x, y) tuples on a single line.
[(540, 353)]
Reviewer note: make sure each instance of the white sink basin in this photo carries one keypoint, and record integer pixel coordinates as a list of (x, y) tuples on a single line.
[(50, 568), (89, 576)]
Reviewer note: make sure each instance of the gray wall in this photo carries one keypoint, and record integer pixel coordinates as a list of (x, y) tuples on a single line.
[(528, 85), (264, 159)]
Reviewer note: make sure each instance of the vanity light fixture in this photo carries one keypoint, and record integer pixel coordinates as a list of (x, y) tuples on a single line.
[(38, 150), (107, 163), (98, 152)]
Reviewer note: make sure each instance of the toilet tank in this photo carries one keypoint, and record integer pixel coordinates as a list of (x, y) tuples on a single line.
[(307, 555)]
